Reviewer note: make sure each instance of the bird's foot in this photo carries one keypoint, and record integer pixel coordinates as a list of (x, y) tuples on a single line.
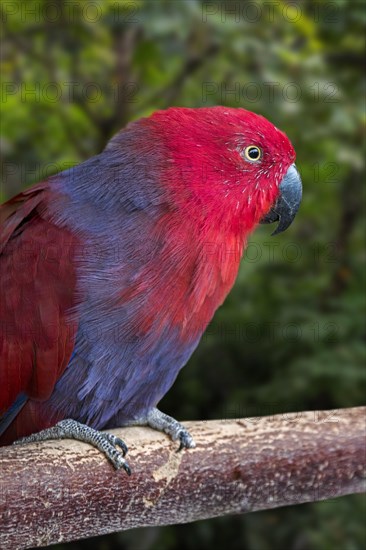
[(71, 429), (164, 423)]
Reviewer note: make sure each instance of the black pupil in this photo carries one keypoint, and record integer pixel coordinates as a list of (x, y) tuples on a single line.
[(253, 153)]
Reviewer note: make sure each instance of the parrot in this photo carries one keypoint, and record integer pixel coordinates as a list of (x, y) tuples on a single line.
[(111, 270)]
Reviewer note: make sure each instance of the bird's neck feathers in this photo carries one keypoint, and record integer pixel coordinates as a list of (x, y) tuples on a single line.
[(201, 171), (179, 163)]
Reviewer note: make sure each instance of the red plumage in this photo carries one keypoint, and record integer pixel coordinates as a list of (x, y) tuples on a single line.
[(182, 200), (37, 289)]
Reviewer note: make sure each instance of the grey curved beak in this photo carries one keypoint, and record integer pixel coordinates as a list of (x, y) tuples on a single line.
[(286, 206)]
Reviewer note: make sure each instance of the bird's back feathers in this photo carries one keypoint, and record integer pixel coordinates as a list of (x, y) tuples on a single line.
[(37, 291)]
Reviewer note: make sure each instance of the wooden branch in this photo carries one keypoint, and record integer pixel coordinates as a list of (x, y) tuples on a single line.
[(65, 490)]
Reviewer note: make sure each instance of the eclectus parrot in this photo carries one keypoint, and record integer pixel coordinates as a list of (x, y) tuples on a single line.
[(111, 271)]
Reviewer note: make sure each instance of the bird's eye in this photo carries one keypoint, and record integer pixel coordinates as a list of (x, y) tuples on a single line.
[(252, 153)]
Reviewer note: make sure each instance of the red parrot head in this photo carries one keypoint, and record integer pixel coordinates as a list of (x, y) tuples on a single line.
[(231, 166)]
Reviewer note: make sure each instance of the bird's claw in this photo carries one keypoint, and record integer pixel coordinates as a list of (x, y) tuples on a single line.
[(117, 442), (165, 423), (186, 441), (107, 443), (113, 454)]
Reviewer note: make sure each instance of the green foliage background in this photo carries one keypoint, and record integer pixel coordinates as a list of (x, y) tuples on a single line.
[(290, 337)]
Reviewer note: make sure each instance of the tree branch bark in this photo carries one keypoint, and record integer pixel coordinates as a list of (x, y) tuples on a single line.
[(65, 490)]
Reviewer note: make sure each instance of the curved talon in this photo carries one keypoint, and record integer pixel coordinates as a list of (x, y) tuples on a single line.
[(182, 439), (127, 469), (113, 454), (186, 441), (116, 441), (165, 423), (119, 462), (122, 445)]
